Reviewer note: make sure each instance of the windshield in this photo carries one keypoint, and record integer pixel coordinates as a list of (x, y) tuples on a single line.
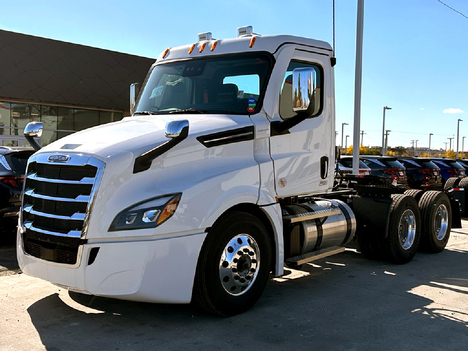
[(231, 84)]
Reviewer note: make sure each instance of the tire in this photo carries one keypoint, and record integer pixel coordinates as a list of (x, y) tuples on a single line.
[(436, 221), (463, 183), (451, 183), (233, 266), (414, 193), (404, 230)]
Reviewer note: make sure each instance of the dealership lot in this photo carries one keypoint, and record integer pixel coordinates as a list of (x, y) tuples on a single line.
[(343, 302)]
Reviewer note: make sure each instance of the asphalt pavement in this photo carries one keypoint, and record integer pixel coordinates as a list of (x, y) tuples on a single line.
[(343, 302)]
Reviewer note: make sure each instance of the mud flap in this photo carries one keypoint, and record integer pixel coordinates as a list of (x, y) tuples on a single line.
[(373, 214)]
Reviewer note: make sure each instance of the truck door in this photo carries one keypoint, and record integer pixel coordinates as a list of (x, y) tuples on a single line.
[(303, 155)]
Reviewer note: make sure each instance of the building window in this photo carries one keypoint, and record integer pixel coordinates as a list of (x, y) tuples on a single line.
[(58, 121)]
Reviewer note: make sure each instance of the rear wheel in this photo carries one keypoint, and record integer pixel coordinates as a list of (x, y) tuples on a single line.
[(404, 233), (414, 193), (234, 265), (436, 220), (463, 183), (451, 183)]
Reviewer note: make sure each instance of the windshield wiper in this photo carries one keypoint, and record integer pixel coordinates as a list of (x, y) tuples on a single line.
[(145, 113), (187, 110)]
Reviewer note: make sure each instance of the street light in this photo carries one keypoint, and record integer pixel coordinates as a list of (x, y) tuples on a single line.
[(346, 145), (383, 129), (430, 134), (416, 149), (342, 134), (463, 146), (386, 139), (450, 148), (458, 134)]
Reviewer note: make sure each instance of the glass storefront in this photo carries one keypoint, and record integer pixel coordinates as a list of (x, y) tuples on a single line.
[(58, 121)]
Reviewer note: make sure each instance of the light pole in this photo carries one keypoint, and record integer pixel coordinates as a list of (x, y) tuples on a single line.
[(383, 129), (386, 139), (416, 149), (346, 145), (458, 134), (342, 134), (463, 147), (362, 137), (450, 148), (430, 134)]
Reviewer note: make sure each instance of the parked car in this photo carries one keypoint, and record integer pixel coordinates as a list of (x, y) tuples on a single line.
[(386, 167), (449, 169), (421, 173), (344, 166), (344, 176), (12, 167)]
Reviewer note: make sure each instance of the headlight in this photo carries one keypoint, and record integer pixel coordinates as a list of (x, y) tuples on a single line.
[(147, 214)]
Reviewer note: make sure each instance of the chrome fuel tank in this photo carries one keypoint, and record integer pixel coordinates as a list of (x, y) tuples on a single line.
[(333, 224)]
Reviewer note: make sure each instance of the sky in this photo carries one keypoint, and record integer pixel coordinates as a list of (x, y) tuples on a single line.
[(414, 51)]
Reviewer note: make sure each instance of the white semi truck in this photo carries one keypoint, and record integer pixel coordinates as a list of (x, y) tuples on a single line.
[(222, 175)]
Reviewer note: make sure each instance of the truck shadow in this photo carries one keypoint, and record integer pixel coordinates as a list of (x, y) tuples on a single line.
[(340, 303)]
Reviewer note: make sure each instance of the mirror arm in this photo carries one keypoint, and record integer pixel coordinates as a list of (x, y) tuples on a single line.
[(279, 128)]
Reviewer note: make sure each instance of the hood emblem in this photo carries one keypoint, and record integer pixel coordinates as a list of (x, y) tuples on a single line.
[(58, 158)]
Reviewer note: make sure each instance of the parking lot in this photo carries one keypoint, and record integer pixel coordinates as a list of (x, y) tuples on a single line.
[(343, 302)]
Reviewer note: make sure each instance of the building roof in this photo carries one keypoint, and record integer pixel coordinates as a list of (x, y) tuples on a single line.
[(50, 71)]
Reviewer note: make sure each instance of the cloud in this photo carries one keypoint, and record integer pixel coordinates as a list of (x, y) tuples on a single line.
[(453, 110)]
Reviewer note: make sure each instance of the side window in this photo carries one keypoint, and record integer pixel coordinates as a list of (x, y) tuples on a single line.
[(286, 98)]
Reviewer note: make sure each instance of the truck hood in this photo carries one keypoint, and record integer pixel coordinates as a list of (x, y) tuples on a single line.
[(140, 133)]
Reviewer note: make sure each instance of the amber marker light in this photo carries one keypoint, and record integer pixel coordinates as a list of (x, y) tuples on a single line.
[(191, 48), (252, 42), (165, 53), (202, 47), (213, 46)]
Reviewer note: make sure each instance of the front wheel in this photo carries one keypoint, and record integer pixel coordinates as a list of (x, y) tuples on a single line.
[(234, 265), (404, 230)]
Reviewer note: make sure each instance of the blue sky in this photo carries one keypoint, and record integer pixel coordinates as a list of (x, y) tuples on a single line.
[(414, 59)]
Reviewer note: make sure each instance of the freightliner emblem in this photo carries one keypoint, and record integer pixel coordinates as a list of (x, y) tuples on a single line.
[(59, 158)]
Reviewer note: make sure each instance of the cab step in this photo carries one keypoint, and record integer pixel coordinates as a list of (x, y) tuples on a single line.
[(315, 255), (307, 216)]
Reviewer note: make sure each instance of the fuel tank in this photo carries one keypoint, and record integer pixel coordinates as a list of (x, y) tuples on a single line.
[(316, 225)]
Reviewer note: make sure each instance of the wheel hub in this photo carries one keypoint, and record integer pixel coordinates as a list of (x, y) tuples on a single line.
[(239, 264), (407, 229), (441, 222)]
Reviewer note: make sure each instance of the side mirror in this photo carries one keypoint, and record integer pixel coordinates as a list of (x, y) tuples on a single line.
[(176, 129), (134, 91), (31, 131), (304, 94)]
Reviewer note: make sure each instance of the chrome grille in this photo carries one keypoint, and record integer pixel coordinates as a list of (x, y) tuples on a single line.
[(56, 201)]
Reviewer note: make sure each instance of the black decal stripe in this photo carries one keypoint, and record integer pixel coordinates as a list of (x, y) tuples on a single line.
[(227, 137), (143, 162)]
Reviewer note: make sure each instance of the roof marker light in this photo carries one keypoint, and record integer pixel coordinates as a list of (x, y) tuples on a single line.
[(213, 46), (191, 48), (202, 47), (205, 36), (252, 41), (165, 53)]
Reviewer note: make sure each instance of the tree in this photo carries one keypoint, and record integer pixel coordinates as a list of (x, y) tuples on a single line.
[(450, 154)]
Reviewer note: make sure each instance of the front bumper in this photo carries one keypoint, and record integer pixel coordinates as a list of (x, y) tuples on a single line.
[(160, 271)]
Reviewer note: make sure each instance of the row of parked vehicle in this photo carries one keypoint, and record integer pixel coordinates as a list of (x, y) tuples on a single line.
[(412, 172), (13, 163)]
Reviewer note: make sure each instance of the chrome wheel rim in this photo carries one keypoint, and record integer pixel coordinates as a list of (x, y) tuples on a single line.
[(441, 222), (407, 229), (239, 264)]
